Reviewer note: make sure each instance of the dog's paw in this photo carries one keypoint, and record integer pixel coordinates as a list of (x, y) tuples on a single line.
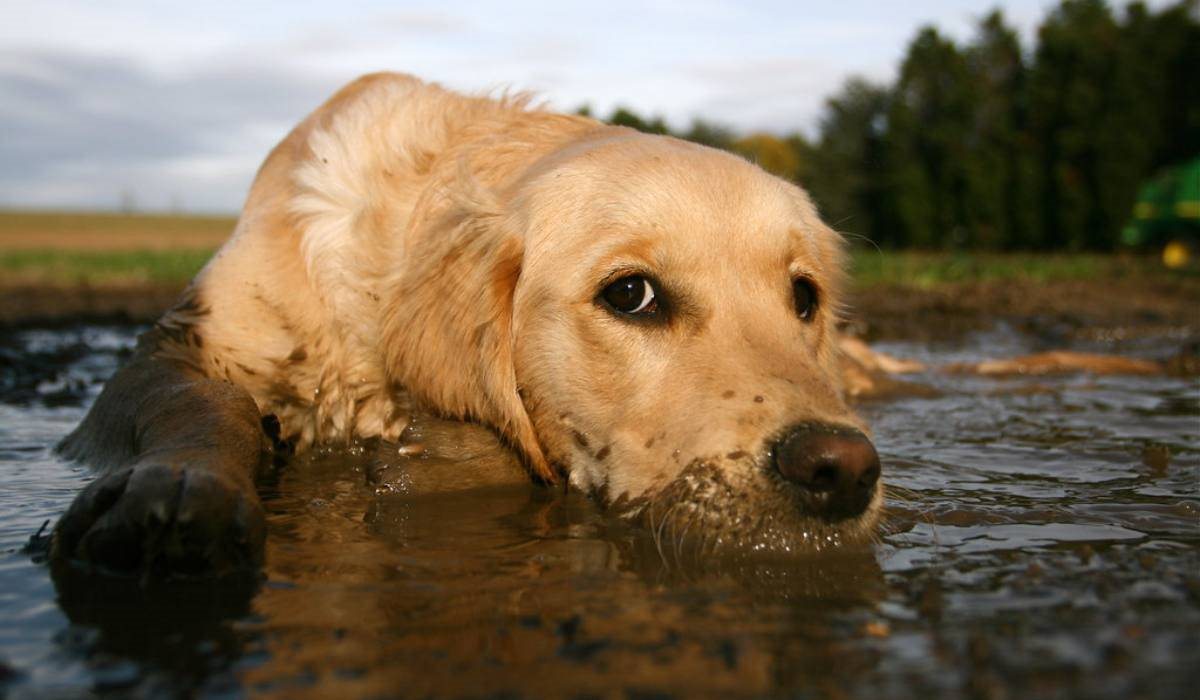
[(163, 520)]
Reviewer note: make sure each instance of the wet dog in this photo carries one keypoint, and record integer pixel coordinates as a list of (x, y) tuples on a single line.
[(652, 320)]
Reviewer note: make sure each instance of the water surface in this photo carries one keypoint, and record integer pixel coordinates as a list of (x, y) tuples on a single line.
[(1042, 542)]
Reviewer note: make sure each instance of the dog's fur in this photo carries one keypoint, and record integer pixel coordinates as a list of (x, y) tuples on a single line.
[(405, 240)]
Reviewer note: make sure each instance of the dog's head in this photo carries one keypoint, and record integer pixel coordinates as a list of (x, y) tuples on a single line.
[(656, 320)]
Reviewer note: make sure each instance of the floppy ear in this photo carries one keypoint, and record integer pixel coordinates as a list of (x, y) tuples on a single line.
[(828, 248), (447, 333)]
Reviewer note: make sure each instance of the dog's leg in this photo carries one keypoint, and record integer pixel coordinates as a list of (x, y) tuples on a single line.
[(868, 373), (177, 454), (1060, 362)]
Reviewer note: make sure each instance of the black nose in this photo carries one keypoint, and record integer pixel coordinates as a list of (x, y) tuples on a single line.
[(835, 468)]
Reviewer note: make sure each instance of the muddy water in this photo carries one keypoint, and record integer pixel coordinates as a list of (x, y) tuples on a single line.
[(1042, 542)]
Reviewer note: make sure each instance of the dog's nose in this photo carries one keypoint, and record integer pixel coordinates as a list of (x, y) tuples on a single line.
[(835, 468)]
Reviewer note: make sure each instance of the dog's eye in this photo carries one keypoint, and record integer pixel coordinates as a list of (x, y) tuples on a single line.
[(631, 295), (806, 298)]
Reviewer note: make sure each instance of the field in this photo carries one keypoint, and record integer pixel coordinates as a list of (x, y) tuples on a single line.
[(63, 248), (60, 248), (67, 265)]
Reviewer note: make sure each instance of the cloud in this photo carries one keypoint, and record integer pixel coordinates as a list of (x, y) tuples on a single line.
[(779, 94), (86, 128), (372, 33), (80, 129), (181, 101), (423, 23)]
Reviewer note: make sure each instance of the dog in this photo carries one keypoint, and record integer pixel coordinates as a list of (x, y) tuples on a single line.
[(652, 321)]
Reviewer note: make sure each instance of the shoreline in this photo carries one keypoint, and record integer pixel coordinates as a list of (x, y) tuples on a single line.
[(36, 305), (878, 311)]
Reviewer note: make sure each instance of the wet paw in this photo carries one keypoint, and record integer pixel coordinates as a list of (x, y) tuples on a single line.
[(162, 520)]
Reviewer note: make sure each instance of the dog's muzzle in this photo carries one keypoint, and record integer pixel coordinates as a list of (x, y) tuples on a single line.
[(835, 469)]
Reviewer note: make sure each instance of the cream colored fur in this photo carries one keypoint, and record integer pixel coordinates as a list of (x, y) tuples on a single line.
[(407, 240)]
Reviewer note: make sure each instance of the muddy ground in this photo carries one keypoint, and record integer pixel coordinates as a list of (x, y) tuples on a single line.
[(1074, 309), (1041, 542), (48, 305), (1063, 310)]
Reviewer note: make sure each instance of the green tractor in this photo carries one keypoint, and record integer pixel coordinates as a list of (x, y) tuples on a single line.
[(1167, 214)]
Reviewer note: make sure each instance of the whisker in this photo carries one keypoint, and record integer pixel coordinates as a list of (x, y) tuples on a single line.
[(679, 541), (658, 531), (860, 237), (653, 530)]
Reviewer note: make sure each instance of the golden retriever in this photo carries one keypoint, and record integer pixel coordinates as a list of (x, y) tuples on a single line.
[(652, 320)]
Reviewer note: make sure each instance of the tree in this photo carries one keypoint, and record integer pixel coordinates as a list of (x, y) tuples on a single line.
[(1000, 166), (1077, 96), (622, 116), (709, 134), (1160, 54), (844, 171), (771, 153), (929, 141), (988, 146)]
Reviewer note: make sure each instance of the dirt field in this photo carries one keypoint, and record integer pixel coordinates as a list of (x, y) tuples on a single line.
[(1168, 305), (90, 231), (1066, 309), (72, 267)]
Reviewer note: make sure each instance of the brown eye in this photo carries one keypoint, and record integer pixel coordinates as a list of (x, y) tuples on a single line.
[(633, 295), (805, 296)]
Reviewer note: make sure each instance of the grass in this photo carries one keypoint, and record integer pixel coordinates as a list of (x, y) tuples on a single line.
[(926, 270), (101, 267), (96, 249)]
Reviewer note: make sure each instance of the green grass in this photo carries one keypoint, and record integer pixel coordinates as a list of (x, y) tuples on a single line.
[(75, 267), (927, 270), (95, 248), (867, 268), (63, 248), (922, 270)]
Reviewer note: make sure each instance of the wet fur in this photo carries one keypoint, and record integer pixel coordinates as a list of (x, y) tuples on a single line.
[(406, 242), (178, 455)]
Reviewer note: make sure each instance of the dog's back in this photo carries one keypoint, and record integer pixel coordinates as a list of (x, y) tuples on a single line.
[(328, 215)]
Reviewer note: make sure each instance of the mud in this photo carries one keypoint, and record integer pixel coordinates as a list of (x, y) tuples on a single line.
[(47, 305), (1043, 540), (1059, 311), (1052, 313)]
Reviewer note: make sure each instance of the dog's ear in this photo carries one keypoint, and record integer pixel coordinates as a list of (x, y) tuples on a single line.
[(447, 332), (828, 250)]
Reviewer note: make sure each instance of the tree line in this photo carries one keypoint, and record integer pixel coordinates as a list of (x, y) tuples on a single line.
[(993, 145)]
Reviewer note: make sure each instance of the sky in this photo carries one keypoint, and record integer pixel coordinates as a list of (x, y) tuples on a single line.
[(172, 106)]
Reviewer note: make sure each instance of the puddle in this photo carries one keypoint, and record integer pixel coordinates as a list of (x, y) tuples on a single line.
[(1033, 549)]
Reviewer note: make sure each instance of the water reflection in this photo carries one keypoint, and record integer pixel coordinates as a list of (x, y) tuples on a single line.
[(1043, 538), (171, 638), (522, 588)]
